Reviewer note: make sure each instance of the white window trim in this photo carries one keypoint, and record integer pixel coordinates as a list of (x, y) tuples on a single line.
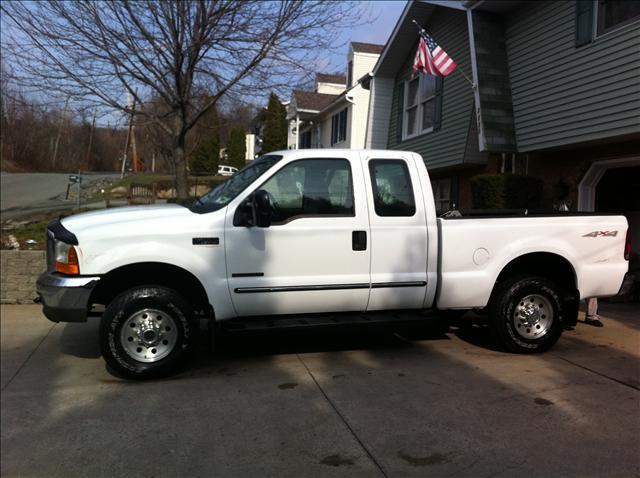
[(419, 106)]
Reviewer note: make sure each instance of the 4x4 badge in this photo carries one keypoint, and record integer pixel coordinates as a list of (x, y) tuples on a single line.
[(602, 233)]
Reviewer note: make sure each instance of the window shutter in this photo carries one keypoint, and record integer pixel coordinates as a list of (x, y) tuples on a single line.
[(437, 121), (584, 22), (400, 112)]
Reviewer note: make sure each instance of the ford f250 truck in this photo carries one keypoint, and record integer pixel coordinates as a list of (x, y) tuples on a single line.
[(309, 237)]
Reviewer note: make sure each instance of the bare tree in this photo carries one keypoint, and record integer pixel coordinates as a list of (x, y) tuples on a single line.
[(95, 52)]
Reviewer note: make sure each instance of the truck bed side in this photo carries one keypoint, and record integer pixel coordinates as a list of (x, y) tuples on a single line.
[(473, 253)]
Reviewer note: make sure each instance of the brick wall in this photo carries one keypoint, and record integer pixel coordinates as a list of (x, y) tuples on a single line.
[(18, 273)]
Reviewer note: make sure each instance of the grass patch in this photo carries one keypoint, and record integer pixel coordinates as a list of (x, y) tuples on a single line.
[(33, 227)]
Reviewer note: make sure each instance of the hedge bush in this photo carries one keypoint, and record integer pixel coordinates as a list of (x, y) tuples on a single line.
[(506, 191)]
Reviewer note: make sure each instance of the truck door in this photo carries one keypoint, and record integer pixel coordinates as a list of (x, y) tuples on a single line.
[(315, 255), (398, 233)]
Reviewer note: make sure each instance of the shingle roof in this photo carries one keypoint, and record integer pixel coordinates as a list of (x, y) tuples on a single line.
[(331, 78), (367, 47), (308, 100)]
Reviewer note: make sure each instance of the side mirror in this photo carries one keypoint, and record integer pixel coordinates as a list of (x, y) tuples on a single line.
[(261, 208)]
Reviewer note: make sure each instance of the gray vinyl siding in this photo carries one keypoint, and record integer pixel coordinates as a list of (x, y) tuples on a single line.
[(379, 110), (445, 147), (563, 95)]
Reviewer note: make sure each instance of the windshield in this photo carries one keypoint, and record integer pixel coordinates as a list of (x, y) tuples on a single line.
[(223, 194)]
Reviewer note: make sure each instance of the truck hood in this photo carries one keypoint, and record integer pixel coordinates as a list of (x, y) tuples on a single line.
[(125, 216)]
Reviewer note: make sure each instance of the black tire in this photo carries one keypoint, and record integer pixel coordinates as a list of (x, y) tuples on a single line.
[(515, 326), (166, 304)]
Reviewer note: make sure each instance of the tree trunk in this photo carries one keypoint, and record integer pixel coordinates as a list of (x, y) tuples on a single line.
[(180, 161)]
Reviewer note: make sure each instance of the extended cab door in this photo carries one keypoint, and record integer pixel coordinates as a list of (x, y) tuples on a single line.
[(398, 233), (315, 255)]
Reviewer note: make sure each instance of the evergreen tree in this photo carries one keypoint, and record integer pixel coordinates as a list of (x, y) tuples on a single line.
[(206, 155), (237, 148), (275, 127)]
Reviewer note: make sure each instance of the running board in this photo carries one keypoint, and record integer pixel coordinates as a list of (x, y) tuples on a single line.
[(315, 321)]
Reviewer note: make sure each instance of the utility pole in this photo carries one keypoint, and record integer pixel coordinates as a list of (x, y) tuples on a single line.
[(88, 156), (132, 105), (55, 146)]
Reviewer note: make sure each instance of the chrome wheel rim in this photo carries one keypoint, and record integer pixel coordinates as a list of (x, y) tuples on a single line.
[(149, 335), (533, 316)]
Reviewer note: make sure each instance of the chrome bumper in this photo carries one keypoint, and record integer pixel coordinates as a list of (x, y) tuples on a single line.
[(65, 299)]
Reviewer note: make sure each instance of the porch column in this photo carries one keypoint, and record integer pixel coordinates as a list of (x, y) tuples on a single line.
[(297, 130)]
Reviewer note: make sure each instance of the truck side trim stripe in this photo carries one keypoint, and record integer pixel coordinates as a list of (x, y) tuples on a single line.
[(309, 288)]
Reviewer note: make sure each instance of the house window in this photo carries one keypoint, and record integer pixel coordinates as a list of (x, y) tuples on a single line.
[(305, 139), (597, 17), (616, 13), (339, 127), (442, 194), (419, 105)]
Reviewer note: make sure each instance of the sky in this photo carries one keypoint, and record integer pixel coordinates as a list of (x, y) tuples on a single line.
[(385, 14)]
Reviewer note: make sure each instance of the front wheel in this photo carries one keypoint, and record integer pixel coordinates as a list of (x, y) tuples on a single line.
[(526, 314), (146, 332)]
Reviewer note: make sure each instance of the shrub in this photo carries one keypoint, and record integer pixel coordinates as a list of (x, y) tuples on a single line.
[(506, 191)]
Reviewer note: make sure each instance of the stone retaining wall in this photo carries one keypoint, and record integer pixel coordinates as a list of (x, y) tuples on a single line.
[(18, 273)]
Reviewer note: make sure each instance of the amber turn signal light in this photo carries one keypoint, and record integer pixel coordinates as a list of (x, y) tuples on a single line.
[(71, 267)]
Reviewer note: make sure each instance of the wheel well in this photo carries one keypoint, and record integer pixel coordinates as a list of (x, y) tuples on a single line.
[(543, 264), (150, 273)]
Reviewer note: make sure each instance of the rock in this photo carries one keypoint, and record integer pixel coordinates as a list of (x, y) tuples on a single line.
[(202, 189), (166, 193), (119, 192)]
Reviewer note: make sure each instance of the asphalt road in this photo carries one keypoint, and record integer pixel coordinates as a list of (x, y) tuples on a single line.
[(358, 404), (23, 193)]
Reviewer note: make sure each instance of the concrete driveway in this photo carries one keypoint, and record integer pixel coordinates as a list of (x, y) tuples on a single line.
[(325, 405)]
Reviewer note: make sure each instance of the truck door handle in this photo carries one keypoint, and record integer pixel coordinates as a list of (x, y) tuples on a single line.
[(359, 240)]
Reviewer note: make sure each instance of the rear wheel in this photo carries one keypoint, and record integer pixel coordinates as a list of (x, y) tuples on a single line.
[(147, 332), (526, 314)]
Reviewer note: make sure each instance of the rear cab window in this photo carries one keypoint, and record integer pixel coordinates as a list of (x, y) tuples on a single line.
[(392, 189)]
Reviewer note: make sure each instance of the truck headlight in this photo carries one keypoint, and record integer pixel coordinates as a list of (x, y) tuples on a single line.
[(66, 258)]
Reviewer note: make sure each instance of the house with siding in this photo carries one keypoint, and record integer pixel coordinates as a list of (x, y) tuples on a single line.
[(556, 94), (334, 114)]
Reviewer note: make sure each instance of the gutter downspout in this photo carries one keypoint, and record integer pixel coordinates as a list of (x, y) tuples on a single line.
[(474, 75)]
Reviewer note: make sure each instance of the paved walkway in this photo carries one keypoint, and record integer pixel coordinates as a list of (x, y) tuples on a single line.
[(327, 405)]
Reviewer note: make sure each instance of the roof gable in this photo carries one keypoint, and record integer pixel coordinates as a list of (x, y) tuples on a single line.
[(331, 78), (360, 47), (308, 100)]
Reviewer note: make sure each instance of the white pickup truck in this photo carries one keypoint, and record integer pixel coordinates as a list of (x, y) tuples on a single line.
[(309, 237)]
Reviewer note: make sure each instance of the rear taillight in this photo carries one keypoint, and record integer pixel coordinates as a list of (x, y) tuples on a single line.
[(627, 246)]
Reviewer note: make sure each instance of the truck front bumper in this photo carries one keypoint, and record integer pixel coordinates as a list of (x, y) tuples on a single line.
[(65, 299)]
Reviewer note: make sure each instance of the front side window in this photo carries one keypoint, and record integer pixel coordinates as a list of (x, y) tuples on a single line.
[(420, 105), (311, 188), (616, 13), (339, 127), (392, 191), (227, 191)]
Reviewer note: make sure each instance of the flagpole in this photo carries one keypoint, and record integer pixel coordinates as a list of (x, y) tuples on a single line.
[(422, 30)]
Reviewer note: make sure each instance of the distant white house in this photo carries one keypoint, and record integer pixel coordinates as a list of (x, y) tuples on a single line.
[(334, 114)]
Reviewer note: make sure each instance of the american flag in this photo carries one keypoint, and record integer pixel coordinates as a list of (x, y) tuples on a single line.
[(432, 59)]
